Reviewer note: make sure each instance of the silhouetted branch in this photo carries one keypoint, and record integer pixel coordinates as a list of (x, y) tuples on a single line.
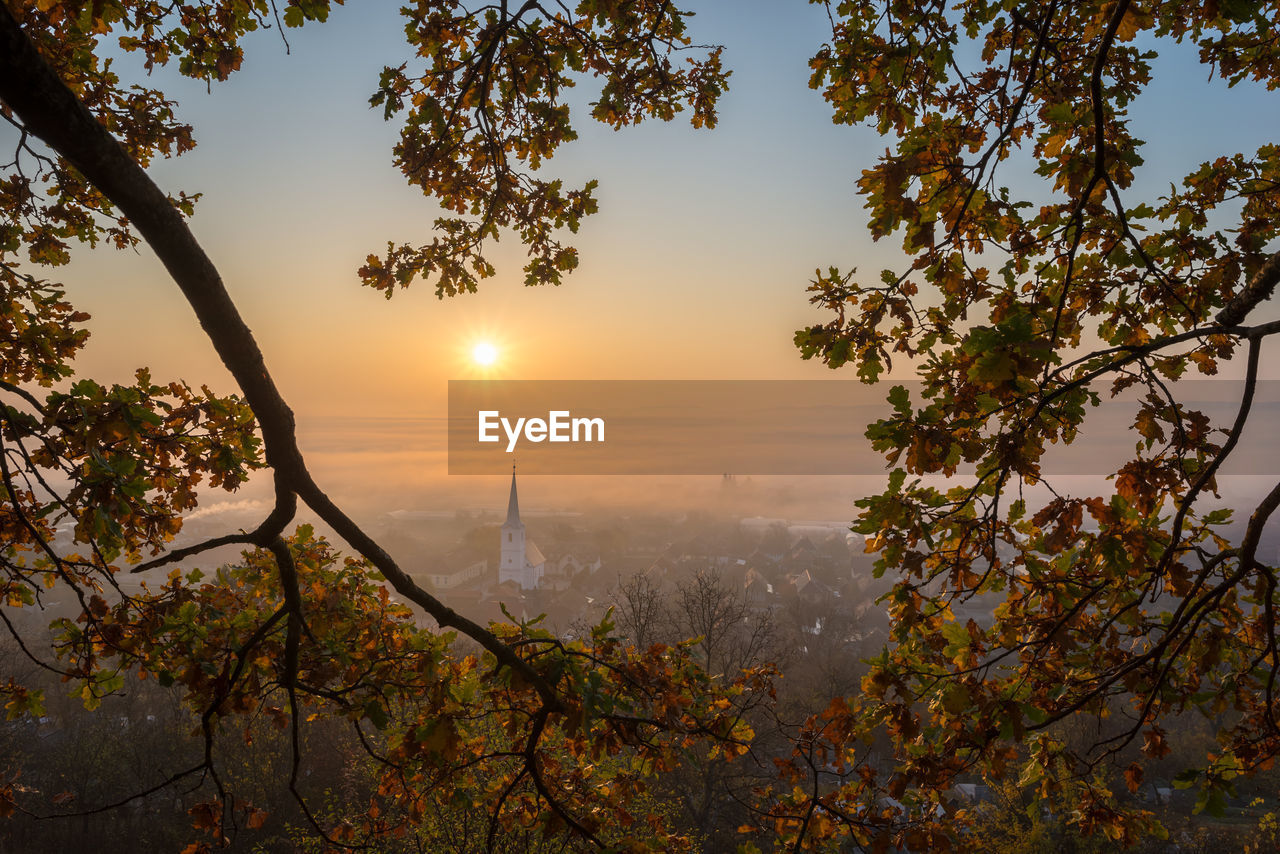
[(53, 113)]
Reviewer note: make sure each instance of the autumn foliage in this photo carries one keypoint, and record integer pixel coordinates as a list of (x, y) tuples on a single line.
[(1020, 305), (1021, 310)]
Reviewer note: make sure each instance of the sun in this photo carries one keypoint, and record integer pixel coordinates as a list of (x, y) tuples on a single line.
[(484, 354)]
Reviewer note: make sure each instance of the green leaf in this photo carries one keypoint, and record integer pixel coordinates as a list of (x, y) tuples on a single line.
[(376, 714), (991, 368), (1212, 801), (956, 699), (958, 641), (900, 399)]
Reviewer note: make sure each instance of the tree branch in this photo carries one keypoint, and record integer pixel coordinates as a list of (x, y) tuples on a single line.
[(1259, 289), (52, 112)]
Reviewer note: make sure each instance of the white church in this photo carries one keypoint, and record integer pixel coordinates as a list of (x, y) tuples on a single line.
[(522, 563)]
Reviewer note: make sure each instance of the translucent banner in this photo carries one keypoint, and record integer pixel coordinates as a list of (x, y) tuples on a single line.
[(766, 427)]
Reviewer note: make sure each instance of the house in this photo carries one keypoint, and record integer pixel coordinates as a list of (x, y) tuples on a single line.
[(456, 568), (757, 591)]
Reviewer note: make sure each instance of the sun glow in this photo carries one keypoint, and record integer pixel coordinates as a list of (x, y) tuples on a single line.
[(484, 354)]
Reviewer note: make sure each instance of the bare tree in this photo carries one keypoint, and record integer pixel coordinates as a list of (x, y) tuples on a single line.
[(641, 611), (731, 635)]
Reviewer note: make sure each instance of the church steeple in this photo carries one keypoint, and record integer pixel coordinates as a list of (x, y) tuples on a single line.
[(513, 505), (521, 560)]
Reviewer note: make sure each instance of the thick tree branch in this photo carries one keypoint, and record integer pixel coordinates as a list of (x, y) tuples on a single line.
[(1259, 289), (52, 112)]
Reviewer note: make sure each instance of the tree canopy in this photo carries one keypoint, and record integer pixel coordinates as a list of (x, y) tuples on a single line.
[(1021, 311), (479, 116), (1018, 314)]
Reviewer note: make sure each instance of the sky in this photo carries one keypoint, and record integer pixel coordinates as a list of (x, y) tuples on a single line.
[(694, 268)]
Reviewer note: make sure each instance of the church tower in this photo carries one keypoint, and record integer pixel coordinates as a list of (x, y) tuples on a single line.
[(512, 566), (521, 561)]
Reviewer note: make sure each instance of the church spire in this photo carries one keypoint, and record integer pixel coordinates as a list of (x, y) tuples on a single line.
[(513, 506)]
